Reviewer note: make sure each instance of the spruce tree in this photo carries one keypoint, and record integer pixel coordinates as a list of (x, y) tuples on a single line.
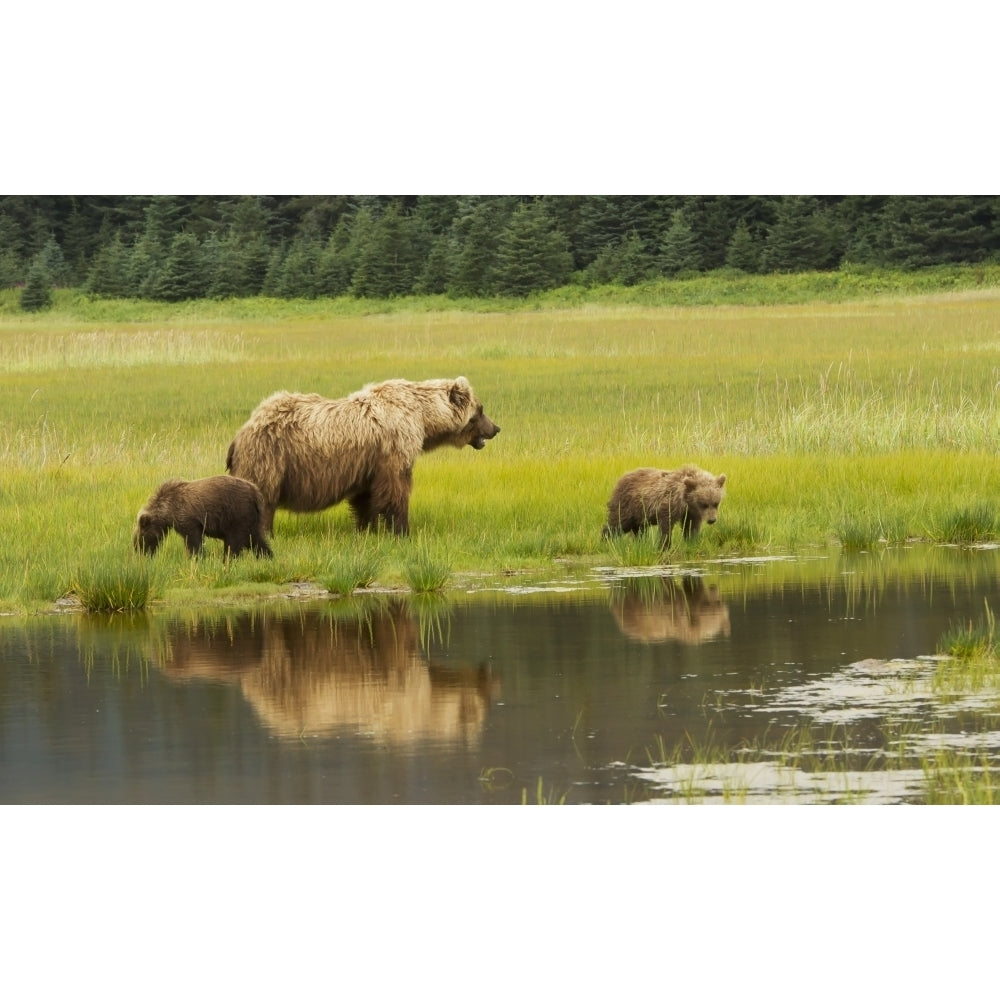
[(335, 264), (37, 291), (476, 232), (679, 249), (297, 279), (921, 231), (434, 278), (109, 272), (743, 254), (11, 270), (52, 258), (801, 239), (624, 262), (387, 262), (532, 254), (183, 273)]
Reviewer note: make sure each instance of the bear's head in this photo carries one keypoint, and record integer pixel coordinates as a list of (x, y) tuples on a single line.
[(478, 428), (702, 494), (148, 533)]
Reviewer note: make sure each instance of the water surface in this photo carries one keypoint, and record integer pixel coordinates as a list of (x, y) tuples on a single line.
[(577, 689)]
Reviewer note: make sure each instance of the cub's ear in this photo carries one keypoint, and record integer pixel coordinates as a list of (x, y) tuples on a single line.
[(721, 480), (144, 520), (461, 392), (690, 485)]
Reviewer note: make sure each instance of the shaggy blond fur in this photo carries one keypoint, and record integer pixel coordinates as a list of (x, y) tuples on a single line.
[(307, 453), (217, 507), (688, 496)]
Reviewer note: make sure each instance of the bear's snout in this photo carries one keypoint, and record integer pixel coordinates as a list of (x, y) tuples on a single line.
[(487, 434)]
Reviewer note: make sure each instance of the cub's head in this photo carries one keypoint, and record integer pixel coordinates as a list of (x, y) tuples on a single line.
[(703, 493), (148, 533)]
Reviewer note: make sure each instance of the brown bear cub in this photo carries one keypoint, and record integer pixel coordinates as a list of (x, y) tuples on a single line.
[(217, 507), (307, 453), (688, 496)]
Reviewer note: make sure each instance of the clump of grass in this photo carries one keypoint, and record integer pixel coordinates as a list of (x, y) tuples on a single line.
[(734, 534), (426, 569), (971, 640), (968, 525), (637, 550), (355, 568), (858, 533), (112, 589), (864, 531)]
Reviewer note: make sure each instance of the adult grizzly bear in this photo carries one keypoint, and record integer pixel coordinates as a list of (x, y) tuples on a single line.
[(307, 453), (665, 497), (220, 507)]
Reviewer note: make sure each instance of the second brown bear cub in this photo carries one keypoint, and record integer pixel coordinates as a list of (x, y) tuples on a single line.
[(217, 507), (688, 496)]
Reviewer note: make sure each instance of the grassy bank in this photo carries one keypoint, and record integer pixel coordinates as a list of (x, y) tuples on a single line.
[(865, 414)]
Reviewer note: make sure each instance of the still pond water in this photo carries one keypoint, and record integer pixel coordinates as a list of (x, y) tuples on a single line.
[(593, 688)]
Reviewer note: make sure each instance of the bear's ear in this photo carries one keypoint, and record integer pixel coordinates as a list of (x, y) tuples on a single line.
[(690, 485), (461, 392), (144, 520), (721, 480)]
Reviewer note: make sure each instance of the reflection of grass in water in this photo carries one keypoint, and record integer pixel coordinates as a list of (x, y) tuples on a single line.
[(122, 640), (432, 614)]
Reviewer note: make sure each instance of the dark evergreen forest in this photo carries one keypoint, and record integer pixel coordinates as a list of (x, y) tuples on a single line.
[(185, 247)]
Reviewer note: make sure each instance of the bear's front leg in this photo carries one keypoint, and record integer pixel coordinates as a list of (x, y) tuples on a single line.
[(193, 538)]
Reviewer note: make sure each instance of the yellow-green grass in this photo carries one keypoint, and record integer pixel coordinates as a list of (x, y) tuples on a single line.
[(857, 423)]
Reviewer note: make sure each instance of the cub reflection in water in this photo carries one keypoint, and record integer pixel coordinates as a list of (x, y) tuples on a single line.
[(662, 608), (314, 674)]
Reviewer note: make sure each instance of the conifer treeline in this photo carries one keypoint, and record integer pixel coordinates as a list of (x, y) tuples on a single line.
[(183, 247)]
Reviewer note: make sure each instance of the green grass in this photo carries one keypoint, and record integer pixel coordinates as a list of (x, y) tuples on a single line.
[(427, 566), (128, 586), (855, 409), (355, 566)]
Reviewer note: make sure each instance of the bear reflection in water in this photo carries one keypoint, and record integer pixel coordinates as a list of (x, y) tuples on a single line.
[(662, 608), (314, 675)]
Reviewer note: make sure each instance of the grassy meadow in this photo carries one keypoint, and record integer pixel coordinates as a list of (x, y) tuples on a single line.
[(848, 418)]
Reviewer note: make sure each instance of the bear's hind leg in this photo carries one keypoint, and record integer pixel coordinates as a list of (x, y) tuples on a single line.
[(390, 501)]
